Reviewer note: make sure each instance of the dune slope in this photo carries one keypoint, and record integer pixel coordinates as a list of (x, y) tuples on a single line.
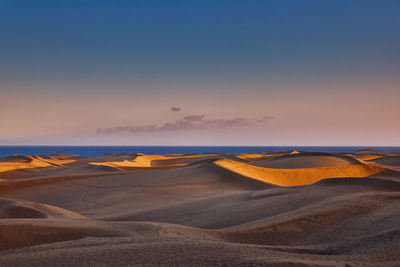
[(293, 177)]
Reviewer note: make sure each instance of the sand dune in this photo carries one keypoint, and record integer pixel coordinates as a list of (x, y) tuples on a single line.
[(244, 207), (389, 161), (253, 157), (293, 177), (305, 160), (24, 209), (369, 152), (274, 209), (23, 162), (152, 161), (27, 232)]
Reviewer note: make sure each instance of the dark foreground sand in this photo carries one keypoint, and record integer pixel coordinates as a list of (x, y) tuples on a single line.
[(273, 209)]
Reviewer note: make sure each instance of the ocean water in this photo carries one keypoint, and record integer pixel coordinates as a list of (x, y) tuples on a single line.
[(100, 150)]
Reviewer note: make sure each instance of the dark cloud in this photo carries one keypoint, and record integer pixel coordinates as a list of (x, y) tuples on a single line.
[(190, 122), (175, 109)]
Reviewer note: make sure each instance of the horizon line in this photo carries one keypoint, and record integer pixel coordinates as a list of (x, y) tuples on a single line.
[(199, 145)]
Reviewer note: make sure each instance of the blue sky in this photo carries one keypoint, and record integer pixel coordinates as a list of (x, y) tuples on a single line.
[(186, 48), (167, 41)]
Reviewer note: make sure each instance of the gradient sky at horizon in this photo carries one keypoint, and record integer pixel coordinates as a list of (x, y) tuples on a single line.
[(108, 72)]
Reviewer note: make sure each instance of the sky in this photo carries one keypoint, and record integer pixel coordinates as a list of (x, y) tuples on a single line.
[(210, 72)]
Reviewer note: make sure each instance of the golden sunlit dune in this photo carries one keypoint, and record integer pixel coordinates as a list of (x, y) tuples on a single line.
[(149, 161), (253, 157), (294, 177), (23, 162)]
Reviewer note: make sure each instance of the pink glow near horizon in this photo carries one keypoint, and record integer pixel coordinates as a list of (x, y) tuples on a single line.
[(356, 116)]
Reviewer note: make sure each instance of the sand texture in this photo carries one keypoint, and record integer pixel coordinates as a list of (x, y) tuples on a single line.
[(267, 209)]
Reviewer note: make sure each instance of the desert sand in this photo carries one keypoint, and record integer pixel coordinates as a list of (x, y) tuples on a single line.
[(274, 209)]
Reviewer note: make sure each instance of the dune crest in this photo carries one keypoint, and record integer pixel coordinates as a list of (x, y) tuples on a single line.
[(253, 156), (10, 209), (24, 162), (295, 177), (152, 161)]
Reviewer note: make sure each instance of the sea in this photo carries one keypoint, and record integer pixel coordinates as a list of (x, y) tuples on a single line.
[(91, 151)]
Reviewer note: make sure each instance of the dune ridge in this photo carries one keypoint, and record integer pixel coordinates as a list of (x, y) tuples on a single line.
[(23, 162), (151, 161), (295, 177), (10, 209), (301, 160)]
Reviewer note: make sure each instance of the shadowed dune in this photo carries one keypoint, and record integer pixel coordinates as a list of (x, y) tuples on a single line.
[(24, 209), (109, 193), (202, 209), (369, 152), (393, 161), (241, 208), (305, 160), (17, 158)]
